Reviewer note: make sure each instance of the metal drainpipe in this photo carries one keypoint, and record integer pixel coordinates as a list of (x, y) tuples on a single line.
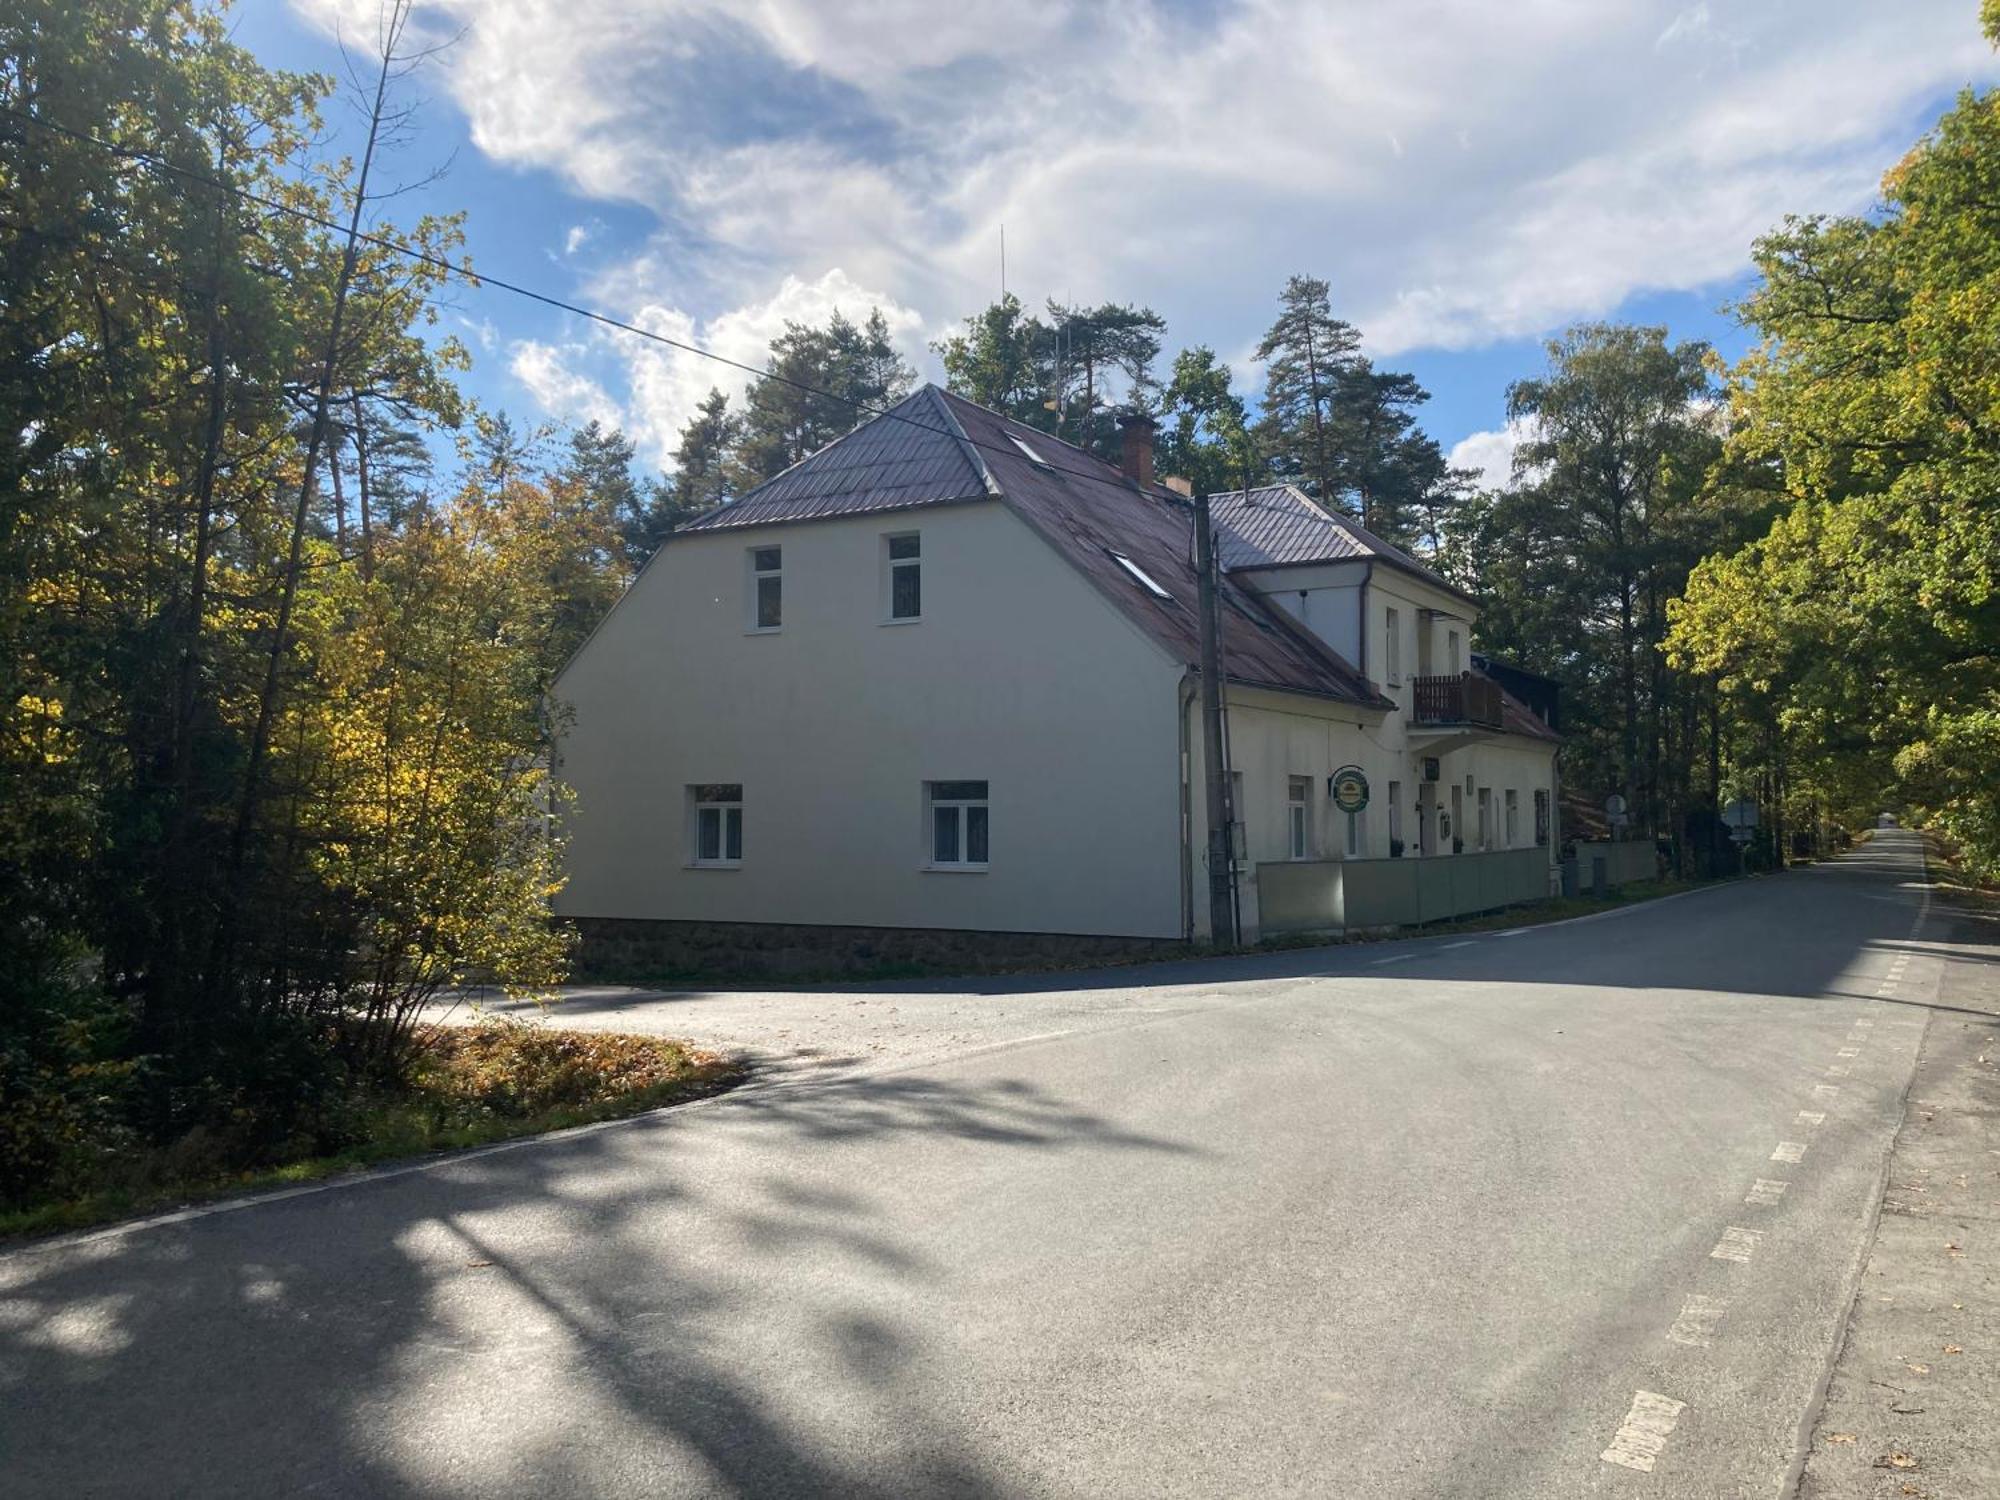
[(1187, 696), (1366, 576), (1235, 817)]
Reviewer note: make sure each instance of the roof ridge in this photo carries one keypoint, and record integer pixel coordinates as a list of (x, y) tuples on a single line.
[(1007, 421), (965, 444)]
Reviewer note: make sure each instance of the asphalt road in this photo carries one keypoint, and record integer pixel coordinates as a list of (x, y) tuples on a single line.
[(1450, 1217)]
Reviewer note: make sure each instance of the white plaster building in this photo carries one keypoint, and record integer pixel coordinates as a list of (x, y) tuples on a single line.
[(940, 675)]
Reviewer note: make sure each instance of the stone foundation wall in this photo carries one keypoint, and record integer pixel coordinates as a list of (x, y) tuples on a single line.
[(620, 949)]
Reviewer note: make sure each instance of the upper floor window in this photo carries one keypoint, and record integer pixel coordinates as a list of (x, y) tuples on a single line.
[(958, 824), (1392, 646), (906, 576), (1451, 652), (767, 588), (1298, 818), (718, 822)]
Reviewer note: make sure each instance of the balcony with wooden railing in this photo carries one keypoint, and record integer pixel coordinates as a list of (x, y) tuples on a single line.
[(1467, 698)]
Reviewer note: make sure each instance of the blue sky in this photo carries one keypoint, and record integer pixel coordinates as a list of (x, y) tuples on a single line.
[(1470, 177)]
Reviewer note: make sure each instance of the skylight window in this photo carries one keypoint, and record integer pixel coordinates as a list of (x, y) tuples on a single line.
[(1033, 456), (1140, 576)]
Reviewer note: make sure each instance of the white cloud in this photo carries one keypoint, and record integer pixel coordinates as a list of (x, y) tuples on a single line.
[(1491, 454), (549, 372), (663, 384), (485, 332), (578, 236), (1462, 172)]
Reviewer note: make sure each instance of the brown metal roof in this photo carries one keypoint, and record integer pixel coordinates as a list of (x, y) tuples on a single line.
[(906, 457), (935, 448), (1280, 525)]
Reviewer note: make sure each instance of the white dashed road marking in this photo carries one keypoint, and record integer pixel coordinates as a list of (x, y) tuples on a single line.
[(1811, 1119), (1399, 958), (1826, 1091), (1645, 1431), (1838, 1070), (1766, 1191), (1790, 1152), (1736, 1244), (1696, 1324), (1447, 947), (1848, 1052)]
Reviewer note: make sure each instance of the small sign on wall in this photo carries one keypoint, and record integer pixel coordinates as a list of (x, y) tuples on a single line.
[(1347, 788)]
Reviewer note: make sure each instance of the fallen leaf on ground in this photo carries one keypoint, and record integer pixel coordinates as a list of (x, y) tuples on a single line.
[(1840, 1437), (1916, 1368), (1953, 1349), (1895, 1461), (477, 1263)]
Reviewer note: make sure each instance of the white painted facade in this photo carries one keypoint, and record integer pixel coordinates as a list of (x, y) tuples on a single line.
[(839, 724), (1019, 673)]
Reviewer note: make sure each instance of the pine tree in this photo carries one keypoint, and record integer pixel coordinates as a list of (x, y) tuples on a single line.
[(1306, 354), (823, 382), (703, 460), (1005, 360), (1104, 365)]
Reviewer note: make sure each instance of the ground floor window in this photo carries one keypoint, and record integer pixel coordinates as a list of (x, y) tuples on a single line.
[(958, 824), (1298, 818), (1513, 817), (717, 822), (1541, 816), (1395, 818), (1486, 817)]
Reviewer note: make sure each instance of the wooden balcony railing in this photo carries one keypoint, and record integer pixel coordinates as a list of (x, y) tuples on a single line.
[(1465, 699)]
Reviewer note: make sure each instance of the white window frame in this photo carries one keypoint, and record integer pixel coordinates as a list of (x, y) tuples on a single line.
[(1512, 802), (961, 807), (757, 570), (1396, 816), (1483, 800), (892, 566), (1392, 646), (1298, 817), (706, 798), (1451, 637)]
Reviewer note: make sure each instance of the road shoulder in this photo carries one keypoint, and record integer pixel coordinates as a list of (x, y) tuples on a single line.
[(1910, 1404)]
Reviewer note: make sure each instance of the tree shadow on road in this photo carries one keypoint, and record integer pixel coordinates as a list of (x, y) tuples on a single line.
[(566, 1316)]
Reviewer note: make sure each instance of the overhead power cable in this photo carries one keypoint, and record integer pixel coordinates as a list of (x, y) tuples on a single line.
[(477, 279)]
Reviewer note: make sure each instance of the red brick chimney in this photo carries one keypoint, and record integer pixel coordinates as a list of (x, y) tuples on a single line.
[(1135, 455)]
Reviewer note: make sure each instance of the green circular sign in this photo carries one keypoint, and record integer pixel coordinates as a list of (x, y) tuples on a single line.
[(1349, 789)]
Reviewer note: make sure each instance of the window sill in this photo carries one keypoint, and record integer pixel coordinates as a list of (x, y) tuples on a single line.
[(961, 869), (713, 864), (906, 620), (765, 630)]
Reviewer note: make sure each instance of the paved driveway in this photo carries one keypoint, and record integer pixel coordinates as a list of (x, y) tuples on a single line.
[(1575, 1211)]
